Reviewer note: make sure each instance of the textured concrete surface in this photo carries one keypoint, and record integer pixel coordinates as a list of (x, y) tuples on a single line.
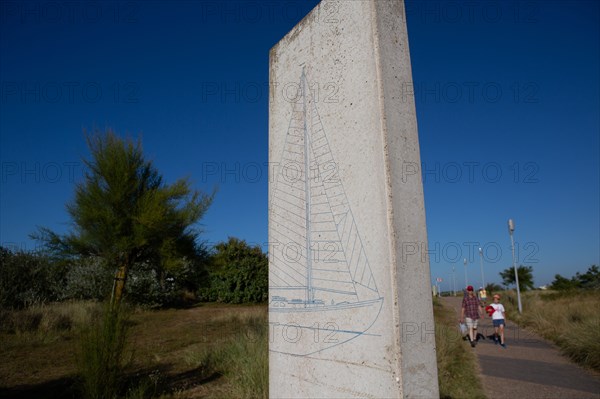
[(350, 309), (530, 367)]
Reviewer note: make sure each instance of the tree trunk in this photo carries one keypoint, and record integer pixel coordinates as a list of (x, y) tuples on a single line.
[(119, 285)]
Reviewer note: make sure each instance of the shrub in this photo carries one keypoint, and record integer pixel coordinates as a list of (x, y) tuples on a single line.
[(102, 356), (28, 278), (145, 286), (87, 278), (238, 274)]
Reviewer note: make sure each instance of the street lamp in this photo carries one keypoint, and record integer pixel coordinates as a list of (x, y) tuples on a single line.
[(481, 262), (466, 281), (511, 229)]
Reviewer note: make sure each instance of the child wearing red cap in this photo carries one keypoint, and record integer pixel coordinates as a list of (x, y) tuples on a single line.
[(498, 320)]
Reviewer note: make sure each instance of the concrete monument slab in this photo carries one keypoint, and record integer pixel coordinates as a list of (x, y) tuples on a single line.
[(350, 311)]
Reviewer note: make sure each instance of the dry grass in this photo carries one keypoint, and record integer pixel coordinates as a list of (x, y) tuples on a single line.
[(38, 349), (243, 358), (39, 356), (46, 322), (457, 366), (570, 319), (210, 351)]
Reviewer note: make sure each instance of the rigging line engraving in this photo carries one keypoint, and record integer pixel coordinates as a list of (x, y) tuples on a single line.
[(339, 296)]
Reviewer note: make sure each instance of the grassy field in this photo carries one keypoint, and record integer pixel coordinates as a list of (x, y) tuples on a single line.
[(176, 353), (570, 319), (207, 351)]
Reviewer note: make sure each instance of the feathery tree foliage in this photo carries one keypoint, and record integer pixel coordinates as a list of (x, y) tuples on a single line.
[(124, 213), (525, 274)]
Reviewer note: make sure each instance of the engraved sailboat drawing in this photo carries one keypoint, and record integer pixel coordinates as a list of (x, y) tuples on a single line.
[(322, 291)]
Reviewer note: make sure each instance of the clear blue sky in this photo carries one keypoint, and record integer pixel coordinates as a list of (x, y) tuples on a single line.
[(507, 98)]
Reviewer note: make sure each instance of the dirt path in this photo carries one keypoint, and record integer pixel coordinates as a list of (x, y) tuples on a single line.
[(529, 367)]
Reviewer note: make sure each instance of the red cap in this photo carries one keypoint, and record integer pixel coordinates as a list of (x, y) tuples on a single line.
[(470, 288)]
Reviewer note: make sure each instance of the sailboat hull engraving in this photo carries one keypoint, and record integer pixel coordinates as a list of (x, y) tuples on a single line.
[(322, 292), (304, 331)]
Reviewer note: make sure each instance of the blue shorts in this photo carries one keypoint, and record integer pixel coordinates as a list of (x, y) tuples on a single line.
[(498, 322)]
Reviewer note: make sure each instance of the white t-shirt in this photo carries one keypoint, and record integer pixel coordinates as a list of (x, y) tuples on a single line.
[(498, 311)]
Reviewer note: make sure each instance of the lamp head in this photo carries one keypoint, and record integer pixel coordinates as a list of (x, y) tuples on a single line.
[(511, 226)]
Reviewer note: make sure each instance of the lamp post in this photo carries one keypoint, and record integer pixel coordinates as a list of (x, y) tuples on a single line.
[(481, 263), (511, 229), (466, 281)]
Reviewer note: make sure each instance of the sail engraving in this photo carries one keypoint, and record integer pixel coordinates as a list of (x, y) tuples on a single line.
[(321, 288)]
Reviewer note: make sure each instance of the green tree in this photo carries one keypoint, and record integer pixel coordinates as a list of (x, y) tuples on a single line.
[(492, 288), (525, 274), (563, 283), (590, 279), (124, 213), (239, 273)]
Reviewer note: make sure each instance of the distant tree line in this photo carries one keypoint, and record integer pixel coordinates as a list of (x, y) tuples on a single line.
[(590, 280), (231, 272)]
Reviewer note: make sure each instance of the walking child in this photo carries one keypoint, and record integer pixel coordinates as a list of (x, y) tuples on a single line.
[(498, 320)]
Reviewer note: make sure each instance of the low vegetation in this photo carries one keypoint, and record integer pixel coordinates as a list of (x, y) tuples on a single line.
[(243, 358), (207, 351), (569, 318), (102, 357), (230, 272), (457, 366)]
